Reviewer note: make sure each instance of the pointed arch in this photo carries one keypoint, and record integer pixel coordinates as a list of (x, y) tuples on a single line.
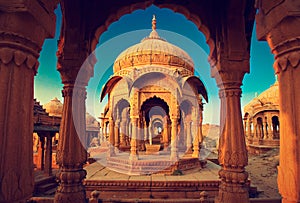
[(197, 85), (152, 78), (110, 84)]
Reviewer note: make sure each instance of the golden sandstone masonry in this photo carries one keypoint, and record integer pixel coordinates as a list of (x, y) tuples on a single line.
[(227, 26)]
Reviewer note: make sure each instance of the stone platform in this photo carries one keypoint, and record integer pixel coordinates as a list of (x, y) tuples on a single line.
[(151, 164), (114, 185)]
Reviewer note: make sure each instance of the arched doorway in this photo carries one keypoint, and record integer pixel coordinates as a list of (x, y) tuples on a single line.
[(155, 112)]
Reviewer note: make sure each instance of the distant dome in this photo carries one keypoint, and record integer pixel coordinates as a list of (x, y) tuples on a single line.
[(91, 123), (266, 100), (153, 50), (54, 107)]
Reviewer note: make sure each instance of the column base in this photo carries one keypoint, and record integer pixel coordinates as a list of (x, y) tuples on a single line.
[(232, 194), (195, 154), (71, 197)]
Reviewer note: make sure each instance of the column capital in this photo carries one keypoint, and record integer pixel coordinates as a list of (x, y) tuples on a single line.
[(231, 77), (77, 91), (277, 17), (235, 91), (29, 19)]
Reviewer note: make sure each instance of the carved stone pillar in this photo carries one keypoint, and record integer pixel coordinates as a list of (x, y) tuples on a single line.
[(71, 151), (133, 143), (21, 38), (196, 147), (232, 148), (278, 22), (287, 67), (255, 133), (165, 133), (270, 131), (249, 131), (174, 150), (105, 130), (187, 125), (41, 152), (111, 151), (265, 129), (48, 155), (200, 133), (123, 133), (195, 125), (117, 135)]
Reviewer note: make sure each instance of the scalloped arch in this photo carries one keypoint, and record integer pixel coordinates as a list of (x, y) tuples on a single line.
[(174, 7)]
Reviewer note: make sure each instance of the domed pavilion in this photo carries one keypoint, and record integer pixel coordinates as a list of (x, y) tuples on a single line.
[(155, 101), (261, 121)]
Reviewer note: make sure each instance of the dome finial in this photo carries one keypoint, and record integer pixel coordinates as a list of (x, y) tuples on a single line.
[(154, 23)]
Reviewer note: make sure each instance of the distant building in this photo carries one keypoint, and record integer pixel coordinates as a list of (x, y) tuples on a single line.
[(154, 98), (261, 121)]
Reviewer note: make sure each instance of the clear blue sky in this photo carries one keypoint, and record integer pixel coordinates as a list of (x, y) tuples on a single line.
[(129, 30)]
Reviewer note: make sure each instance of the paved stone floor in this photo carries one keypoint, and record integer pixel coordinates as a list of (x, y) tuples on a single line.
[(116, 185)]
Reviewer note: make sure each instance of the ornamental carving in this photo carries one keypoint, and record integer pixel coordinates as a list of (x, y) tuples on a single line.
[(290, 59), (8, 55)]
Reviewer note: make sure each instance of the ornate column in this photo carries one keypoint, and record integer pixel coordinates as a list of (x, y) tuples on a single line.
[(105, 130), (165, 133), (255, 133), (48, 155), (117, 135), (249, 131), (265, 127), (133, 143), (122, 133), (196, 147), (75, 72), (174, 150), (270, 131), (232, 148), (278, 23), (24, 26), (200, 133), (196, 118), (187, 125), (111, 151), (41, 151), (71, 153)]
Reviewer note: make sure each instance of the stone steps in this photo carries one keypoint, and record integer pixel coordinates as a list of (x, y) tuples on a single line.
[(45, 185)]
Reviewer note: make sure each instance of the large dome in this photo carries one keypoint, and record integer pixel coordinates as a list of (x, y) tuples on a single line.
[(153, 50), (268, 99), (54, 108)]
